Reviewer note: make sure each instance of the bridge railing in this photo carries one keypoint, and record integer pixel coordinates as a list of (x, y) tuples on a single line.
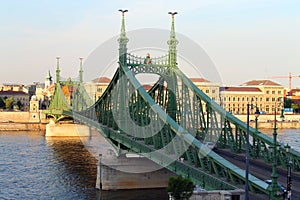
[(138, 60), (263, 143)]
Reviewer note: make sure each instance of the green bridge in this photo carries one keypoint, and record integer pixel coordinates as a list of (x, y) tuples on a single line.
[(172, 120)]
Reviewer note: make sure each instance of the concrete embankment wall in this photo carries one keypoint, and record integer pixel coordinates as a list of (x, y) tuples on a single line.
[(21, 126), (14, 116), (267, 121), (22, 121)]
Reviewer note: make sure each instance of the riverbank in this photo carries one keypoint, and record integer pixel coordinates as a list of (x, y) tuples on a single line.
[(22, 126), (22, 121), (26, 121)]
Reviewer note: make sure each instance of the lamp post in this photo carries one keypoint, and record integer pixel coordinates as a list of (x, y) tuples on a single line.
[(257, 113), (255, 147), (289, 175), (249, 106), (100, 175), (275, 190), (247, 155)]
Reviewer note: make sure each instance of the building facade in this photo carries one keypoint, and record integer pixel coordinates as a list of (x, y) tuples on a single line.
[(11, 87), (18, 96), (96, 87), (267, 95), (210, 89)]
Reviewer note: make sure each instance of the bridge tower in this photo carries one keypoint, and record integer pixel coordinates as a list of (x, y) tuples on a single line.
[(80, 71), (123, 40), (57, 70), (172, 82), (172, 42)]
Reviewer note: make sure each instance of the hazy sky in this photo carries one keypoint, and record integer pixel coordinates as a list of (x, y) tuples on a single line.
[(246, 39)]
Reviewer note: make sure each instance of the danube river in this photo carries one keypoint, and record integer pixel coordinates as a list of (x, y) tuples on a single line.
[(35, 167)]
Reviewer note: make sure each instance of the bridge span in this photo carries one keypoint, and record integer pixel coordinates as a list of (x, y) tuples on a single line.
[(172, 121)]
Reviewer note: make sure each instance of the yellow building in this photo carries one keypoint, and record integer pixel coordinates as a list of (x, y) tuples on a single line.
[(18, 96), (265, 94), (12, 87), (210, 89), (96, 87)]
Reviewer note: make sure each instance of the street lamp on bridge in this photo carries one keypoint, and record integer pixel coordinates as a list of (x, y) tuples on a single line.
[(275, 190), (249, 106), (288, 194)]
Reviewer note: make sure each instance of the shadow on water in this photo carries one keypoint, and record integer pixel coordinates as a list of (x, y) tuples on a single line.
[(78, 168), (76, 161)]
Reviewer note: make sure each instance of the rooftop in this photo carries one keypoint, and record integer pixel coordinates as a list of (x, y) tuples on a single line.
[(101, 80), (260, 83), (240, 89), (199, 80)]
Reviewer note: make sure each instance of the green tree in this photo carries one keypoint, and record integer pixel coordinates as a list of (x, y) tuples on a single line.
[(2, 104), (20, 105), (287, 103), (180, 188), (294, 106), (9, 103)]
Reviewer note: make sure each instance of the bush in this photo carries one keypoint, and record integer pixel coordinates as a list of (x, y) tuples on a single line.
[(180, 188)]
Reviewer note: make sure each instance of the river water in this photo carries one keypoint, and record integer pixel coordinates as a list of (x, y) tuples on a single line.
[(35, 167)]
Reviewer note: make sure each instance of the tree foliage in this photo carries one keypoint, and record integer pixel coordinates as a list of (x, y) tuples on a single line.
[(9, 103), (20, 105), (181, 188), (2, 103), (287, 103)]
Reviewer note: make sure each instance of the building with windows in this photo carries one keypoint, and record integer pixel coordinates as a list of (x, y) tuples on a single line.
[(210, 89), (96, 87), (265, 94), (294, 98), (11, 87), (18, 97)]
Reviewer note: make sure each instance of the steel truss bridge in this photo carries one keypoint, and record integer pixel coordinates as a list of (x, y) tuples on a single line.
[(169, 123)]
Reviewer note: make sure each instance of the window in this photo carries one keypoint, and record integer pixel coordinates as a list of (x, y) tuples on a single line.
[(267, 92), (279, 92), (213, 91), (99, 90), (261, 98), (233, 99), (238, 98), (273, 92), (224, 98), (243, 99), (273, 99), (228, 98), (267, 99), (206, 91)]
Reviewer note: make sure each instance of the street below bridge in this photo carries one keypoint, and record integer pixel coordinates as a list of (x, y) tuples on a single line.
[(262, 170)]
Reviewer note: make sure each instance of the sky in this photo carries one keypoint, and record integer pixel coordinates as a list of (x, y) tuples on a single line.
[(245, 39)]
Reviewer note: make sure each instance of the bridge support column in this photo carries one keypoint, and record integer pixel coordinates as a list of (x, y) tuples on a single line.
[(125, 173), (66, 130)]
